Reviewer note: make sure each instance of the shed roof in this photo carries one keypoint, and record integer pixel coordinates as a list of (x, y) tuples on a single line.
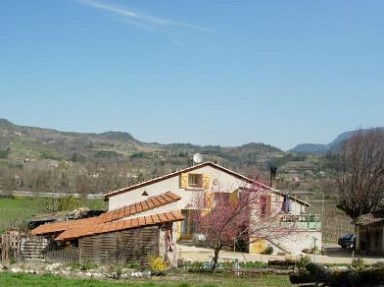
[(82, 230), (373, 218), (111, 220)]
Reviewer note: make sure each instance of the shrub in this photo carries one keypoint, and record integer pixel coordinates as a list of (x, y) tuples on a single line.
[(83, 266), (253, 264), (268, 250), (157, 265), (133, 265), (303, 262), (358, 263)]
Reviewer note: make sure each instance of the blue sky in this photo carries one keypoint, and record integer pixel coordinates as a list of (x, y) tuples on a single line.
[(204, 72)]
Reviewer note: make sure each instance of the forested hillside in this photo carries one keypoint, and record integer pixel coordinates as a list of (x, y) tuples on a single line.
[(37, 159)]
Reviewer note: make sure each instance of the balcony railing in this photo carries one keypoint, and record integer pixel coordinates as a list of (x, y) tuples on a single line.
[(302, 221)]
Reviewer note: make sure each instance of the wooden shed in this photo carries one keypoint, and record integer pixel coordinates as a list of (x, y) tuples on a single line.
[(370, 233), (128, 234)]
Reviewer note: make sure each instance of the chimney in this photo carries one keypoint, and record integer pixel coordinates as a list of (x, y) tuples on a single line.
[(272, 182)]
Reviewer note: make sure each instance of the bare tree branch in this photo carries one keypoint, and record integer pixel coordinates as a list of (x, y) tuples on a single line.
[(359, 172)]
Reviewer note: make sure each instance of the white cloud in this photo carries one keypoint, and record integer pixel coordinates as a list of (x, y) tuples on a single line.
[(141, 19)]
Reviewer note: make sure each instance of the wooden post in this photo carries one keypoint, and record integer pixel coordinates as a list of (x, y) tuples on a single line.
[(5, 250)]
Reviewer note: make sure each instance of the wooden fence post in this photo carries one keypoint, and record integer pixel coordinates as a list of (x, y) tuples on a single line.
[(5, 250)]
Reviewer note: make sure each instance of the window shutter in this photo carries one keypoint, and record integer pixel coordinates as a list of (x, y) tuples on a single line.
[(184, 180), (209, 199), (233, 198), (205, 181)]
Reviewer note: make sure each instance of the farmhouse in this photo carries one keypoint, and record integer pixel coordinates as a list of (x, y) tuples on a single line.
[(152, 217)]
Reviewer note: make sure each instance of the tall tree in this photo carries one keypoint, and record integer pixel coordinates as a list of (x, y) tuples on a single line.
[(359, 172)]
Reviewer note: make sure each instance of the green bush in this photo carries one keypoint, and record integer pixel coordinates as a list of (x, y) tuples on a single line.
[(268, 250), (133, 265), (106, 154), (253, 264), (358, 263), (303, 262), (83, 266), (68, 203)]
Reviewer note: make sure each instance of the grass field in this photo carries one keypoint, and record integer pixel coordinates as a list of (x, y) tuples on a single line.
[(22, 280), (15, 211)]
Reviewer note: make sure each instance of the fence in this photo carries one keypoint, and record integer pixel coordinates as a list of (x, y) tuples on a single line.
[(61, 253), (10, 248), (21, 247), (132, 245)]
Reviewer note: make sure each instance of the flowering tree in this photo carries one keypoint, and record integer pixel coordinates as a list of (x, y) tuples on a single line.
[(241, 215)]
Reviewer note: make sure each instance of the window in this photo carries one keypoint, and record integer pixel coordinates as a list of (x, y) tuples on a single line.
[(187, 225), (195, 180)]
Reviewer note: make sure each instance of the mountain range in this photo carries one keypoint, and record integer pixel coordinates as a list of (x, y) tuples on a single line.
[(33, 158), (321, 149), (18, 143)]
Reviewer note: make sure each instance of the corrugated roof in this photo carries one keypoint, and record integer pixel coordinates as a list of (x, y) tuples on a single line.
[(109, 216), (81, 230)]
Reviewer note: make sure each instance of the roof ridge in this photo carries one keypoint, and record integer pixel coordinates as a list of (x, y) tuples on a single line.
[(188, 169)]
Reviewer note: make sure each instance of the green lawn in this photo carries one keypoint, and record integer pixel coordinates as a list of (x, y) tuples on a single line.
[(22, 280), (15, 211)]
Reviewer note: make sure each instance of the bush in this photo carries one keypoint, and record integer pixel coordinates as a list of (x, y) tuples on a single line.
[(157, 265), (253, 264), (303, 262), (358, 263), (83, 266), (133, 265), (268, 250)]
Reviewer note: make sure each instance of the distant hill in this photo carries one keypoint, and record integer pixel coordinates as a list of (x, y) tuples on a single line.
[(321, 149), (21, 143), (309, 148), (42, 159)]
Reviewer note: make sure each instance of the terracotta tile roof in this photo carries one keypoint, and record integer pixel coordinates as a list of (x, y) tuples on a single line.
[(148, 204), (81, 230), (109, 216), (62, 225)]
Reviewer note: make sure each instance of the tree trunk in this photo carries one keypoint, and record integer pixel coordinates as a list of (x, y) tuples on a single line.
[(215, 258)]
